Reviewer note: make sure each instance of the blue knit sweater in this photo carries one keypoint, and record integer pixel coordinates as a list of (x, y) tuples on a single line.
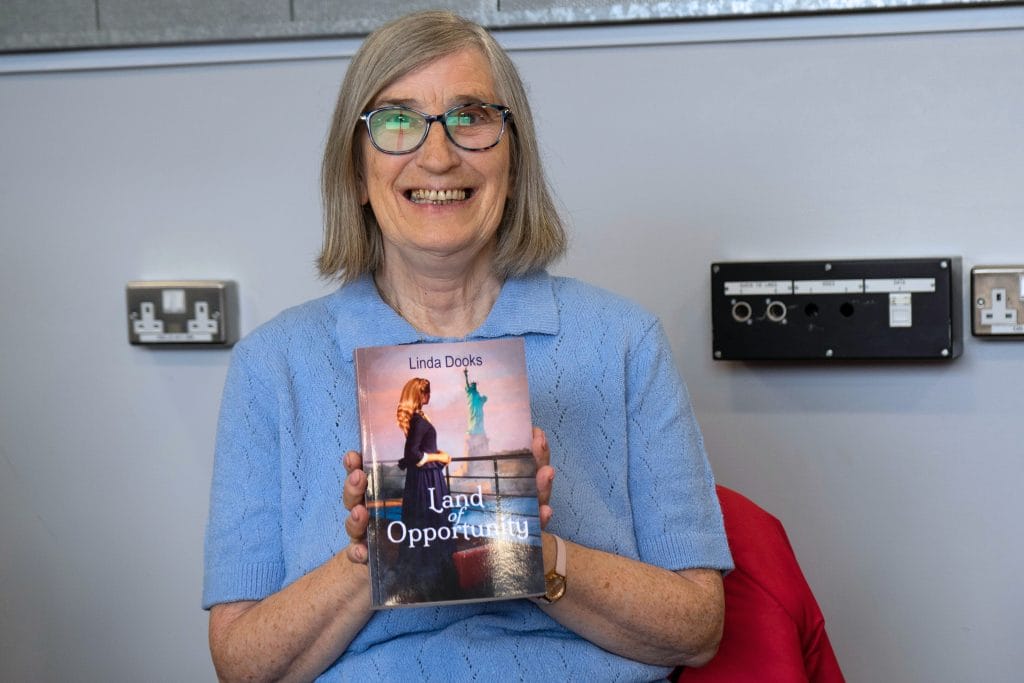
[(632, 475)]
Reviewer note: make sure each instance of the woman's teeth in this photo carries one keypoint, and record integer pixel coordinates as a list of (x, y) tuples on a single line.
[(436, 196)]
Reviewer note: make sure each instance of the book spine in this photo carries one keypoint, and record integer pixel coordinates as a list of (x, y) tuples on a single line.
[(369, 456)]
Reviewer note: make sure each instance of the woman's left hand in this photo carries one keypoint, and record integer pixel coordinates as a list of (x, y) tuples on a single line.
[(545, 474)]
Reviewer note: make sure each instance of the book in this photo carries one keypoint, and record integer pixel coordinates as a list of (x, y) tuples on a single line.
[(452, 490)]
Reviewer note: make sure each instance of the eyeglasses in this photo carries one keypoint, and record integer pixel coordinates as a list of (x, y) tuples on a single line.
[(400, 130)]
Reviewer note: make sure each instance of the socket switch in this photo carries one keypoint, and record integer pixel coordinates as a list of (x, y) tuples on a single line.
[(182, 312), (998, 295)]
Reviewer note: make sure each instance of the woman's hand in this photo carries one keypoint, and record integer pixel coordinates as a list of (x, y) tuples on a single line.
[(545, 474), (440, 457), (354, 497)]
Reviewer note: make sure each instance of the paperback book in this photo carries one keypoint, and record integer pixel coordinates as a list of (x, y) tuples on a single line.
[(452, 490)]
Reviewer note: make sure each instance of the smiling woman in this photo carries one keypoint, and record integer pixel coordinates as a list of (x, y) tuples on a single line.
[(443, 232), (530, 235), (438, 206)]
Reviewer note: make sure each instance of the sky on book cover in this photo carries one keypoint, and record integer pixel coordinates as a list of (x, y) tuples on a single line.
[(500, 374)]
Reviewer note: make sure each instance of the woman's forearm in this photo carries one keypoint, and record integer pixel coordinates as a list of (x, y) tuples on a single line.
[(295, 634), (633, 609), (638, 610)]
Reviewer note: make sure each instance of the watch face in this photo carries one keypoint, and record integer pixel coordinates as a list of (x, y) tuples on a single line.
[(555, 586)]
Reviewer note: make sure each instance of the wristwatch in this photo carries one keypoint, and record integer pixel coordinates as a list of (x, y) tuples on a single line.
[(554, 580)]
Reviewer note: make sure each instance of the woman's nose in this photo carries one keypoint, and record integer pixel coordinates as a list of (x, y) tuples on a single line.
[(438, 153)]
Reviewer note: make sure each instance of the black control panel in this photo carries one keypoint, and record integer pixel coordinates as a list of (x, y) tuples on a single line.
[(819, 310)]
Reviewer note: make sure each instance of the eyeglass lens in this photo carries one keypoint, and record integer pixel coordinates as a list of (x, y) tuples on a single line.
[(471, 127)]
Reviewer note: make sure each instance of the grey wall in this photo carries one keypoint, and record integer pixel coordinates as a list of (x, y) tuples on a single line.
[(898, 484), (63, 24)]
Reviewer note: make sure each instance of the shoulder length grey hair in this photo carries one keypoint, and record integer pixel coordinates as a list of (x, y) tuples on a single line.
[(530, 235)]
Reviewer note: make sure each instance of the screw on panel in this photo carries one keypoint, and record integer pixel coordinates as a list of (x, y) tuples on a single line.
[(945, 352), (943, 264), (714, 269), (718, 354), (828, 353), (828, 266)]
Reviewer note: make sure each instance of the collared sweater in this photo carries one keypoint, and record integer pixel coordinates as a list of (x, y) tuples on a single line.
[(632, 475)]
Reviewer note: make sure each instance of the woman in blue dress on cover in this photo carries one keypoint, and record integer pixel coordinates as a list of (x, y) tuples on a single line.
[(432, 568)]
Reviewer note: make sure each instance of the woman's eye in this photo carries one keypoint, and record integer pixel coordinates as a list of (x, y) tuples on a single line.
[(469, 116), (398, 122), (461, 119)]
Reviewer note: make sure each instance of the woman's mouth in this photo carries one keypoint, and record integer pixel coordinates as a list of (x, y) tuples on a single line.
[(437, 196)]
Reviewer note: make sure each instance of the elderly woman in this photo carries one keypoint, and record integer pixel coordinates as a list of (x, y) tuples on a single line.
[(439, 224)]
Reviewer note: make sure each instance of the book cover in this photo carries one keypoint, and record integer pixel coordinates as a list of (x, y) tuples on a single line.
[(452, 490)]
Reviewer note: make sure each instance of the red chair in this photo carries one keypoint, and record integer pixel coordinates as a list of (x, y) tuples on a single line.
[(774, 629)]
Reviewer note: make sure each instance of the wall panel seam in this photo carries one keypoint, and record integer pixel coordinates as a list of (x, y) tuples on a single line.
[(524, 40)]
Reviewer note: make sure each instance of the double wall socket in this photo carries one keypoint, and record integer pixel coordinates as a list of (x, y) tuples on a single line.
[(186, 312), (998, 295)]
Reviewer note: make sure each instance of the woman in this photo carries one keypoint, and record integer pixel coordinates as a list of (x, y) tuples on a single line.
[(442, 232), (424, 465)]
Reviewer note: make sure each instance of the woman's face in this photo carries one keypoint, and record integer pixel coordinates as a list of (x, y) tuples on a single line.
[(413, 227)]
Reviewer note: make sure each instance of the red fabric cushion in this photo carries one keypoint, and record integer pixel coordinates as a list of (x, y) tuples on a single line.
[(774, 629)]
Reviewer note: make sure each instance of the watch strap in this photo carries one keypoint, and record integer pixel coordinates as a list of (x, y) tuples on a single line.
[(554, 579), (559, 555)]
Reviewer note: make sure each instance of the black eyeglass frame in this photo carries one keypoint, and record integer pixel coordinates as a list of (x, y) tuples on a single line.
[(440, 118)]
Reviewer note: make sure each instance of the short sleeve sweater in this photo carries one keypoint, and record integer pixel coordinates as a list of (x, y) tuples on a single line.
[(632, 475)]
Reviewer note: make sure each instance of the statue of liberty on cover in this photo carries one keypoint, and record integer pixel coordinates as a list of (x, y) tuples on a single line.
[(477, 443)]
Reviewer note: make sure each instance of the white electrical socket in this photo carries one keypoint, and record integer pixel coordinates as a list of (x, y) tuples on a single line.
[(147, 323), (202, 323), (998, 294), (998, 312)]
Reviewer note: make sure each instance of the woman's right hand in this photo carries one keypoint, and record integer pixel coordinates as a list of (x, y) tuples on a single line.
[(440, 457), (354, 497)]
